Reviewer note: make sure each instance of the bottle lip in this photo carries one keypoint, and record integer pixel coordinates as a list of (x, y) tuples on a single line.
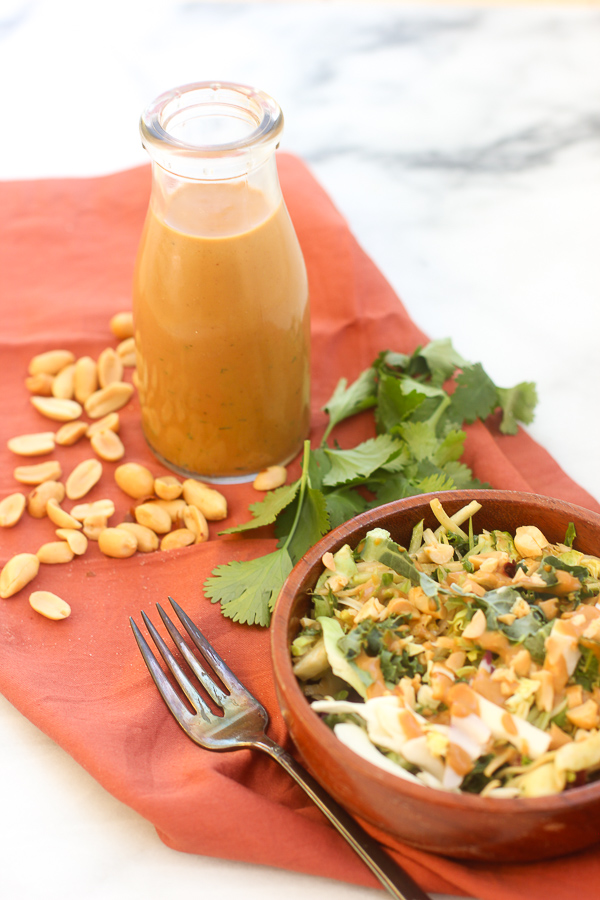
[(247, 122)]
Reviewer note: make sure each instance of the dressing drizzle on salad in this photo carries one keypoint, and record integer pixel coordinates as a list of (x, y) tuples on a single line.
[(465, 662)]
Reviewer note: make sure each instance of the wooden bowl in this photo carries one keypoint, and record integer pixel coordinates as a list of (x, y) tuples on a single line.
[(464, 826)]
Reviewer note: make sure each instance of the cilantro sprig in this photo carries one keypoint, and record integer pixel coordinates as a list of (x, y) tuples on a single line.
[(420, 404)]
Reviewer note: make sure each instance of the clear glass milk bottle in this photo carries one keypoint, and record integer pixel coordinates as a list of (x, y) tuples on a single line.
[(220, 299)]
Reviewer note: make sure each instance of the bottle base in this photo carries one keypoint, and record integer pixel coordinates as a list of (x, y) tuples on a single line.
[(212, 479)]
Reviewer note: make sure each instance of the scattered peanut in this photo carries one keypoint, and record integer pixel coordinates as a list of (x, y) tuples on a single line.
[(175, 508), (56, 408), (111, 422), (36, 474), (196, 522), (51, 362), (40, 384), (49, 605), (209, 501), (153, 516), (18, 571), (136, 480), (126, 352), (167, 487), (147, 540), (94, 525), (117, 542), (63, 386), (69, 433), (271, 478), (76, 540), (32, 444), (37, 501), (121, 325), (11, 509), (86, 378), (59, 516), (181, 537), (108, 399), (108, 445), (83, 478), (55, 552), (103, 508), (110, 367)]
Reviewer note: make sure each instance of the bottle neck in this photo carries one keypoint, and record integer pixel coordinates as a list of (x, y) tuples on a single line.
[(216, 208)]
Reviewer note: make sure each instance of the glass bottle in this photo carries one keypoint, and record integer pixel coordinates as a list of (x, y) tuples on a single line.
[(220, 297)]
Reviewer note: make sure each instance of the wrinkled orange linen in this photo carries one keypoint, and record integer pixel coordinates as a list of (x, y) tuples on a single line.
[(66, 256)]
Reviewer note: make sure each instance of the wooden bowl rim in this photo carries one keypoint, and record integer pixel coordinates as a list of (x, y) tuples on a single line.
[(289, 687)]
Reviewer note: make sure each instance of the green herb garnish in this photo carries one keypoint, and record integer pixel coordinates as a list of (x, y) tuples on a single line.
[(417, 450)]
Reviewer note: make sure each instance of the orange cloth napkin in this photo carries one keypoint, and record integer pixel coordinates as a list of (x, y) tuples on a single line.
[(67, 249)]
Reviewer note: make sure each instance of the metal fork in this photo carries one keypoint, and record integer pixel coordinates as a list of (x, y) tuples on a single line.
[(243, 725)]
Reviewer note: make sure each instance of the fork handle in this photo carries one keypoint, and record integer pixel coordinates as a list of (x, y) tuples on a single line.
[(390, 874)]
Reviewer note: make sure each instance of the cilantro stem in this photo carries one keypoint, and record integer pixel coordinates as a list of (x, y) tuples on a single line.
[(303, 483)]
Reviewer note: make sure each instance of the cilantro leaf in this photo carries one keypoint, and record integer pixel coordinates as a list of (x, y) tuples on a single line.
[(394, 404), (420, 438), (343, 504), (476, 395), (247, 590), (347, 465), (266, 511), (346, 401), (442, 359), (517, 405), (587, 672), (311, 525)]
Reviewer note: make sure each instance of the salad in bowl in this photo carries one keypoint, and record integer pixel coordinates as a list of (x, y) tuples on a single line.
[(467, 661)]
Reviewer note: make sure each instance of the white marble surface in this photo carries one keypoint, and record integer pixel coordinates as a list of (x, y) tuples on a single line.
[(462, 144)]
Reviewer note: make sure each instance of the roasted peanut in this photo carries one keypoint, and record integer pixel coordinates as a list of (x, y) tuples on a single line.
[(83, 511), (11, 509), (37, 501), (111, 422), (121, 325), (83, 478), (32, 444), (110, 367), (153, 516), (86, 378), (108, 445), (76, 540), (175, 509), (117, 543), (18, 571), (196, 522), (40, 384), (59, 516), (126, 352), (167, 487), (181, 537), (55, 552), (136, 480), (63, 386), (69, 433), (49, 605), (209, 501), (50, 362), (147, 540), (94, 525), (108, 399), (36, 474), (57, 409), (271, 478)]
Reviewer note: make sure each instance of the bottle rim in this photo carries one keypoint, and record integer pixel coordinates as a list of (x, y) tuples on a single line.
[(250, 118)]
